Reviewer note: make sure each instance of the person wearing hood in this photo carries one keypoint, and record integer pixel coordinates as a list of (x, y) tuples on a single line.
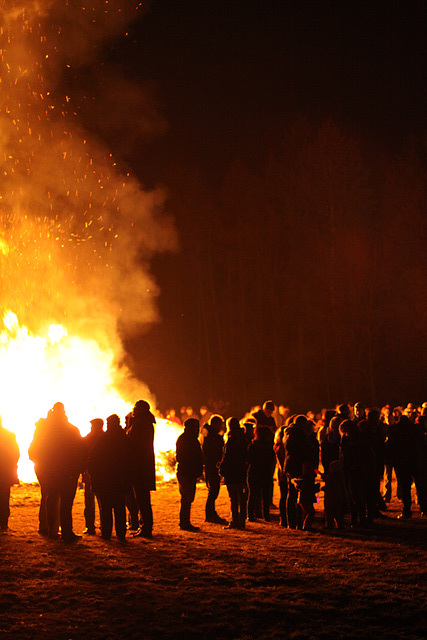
[(189, 459), (142, 463)]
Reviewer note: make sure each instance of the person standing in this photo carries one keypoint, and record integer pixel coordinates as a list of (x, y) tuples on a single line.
[(142, 463), (212, 449), (96, 429), (234, 471), (261, 464), (297, 452), (109, 471), (190, 467), (59, 453), (9, 456)]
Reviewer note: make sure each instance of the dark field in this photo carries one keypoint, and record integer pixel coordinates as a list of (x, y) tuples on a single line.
[(265, 582)]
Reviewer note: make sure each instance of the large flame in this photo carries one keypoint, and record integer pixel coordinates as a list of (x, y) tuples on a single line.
[(76, 233), (37, 370)]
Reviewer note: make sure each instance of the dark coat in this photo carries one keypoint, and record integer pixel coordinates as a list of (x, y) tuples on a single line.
[(142, 458), (262, 461), (297, 450), (234, 461), (212, 449), (189, 456), (109, 463), (405, 444), (9, 456), (57, 449)]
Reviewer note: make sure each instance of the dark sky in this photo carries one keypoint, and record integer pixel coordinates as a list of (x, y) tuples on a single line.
[(231, 77)]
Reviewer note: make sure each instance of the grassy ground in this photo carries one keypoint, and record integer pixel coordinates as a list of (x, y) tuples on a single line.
[(265, 582)]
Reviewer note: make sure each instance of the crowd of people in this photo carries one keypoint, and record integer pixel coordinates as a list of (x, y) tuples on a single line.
[(348, 452)]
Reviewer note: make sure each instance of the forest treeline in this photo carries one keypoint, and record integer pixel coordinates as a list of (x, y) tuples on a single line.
[(305, 280)]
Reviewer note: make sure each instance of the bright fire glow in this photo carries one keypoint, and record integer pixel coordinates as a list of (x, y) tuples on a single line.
[(76, 234), (38, 371)]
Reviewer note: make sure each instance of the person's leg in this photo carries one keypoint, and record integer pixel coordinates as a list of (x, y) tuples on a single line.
[(68, 487), (4, 506), (119, 506), (89, 509), (106, 513), (213, 484), (52, 508), (291, 505)]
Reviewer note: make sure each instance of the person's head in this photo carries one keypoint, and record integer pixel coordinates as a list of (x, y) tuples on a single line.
[(359, 411), (329, 414), (216, 424), (300, 421), (96, 425), (233, 425), (344, 410), (348, 428), (374, 415), (191, 426), (141, 408), (113, 422), (284, 411), (203, 410), (268, 408), (58, 410), (397, 412), (249, 427)]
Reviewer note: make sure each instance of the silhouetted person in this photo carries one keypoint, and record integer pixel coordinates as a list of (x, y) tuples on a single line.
[(131, 504), (190, 467), (96, 429), (368, 473), (297, 451), (234, 471), (9, 456), (264, 416), (142, 463), (261, 464), (330, 445), (335, 496), (212, 449), (40, 472), (59, 453), (110, 476), (306, 495), (279, 450), (351, 465), (378, 440), (406, 446)]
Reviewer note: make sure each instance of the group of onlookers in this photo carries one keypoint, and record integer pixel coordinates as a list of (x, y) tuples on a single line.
[(351, 450)]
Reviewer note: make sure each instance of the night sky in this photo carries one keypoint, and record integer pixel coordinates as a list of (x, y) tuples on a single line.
[(291, 138)]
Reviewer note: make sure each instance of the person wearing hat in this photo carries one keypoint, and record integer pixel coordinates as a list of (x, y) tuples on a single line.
[(96, 429)]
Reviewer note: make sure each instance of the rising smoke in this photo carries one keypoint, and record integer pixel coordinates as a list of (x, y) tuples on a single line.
[(76, 233)]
